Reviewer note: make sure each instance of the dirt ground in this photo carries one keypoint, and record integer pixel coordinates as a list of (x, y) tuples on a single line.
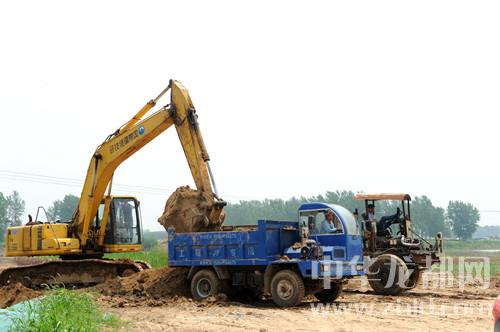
[(157, 300), (422, 309)]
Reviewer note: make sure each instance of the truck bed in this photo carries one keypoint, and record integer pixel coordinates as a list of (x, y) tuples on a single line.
[(247, 245)]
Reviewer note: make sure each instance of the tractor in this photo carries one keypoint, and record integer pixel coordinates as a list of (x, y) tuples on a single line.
[(397, 254)]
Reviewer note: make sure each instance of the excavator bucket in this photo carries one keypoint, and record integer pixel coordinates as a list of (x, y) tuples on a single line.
[(188, 210)]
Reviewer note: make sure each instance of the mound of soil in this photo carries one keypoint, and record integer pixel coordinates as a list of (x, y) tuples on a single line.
[(157, 284), (187, 210), (15, 293)]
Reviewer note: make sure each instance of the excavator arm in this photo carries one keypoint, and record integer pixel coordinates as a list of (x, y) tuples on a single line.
[(129, 139)]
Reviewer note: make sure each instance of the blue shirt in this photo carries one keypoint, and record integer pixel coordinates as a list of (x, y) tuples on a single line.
[(326, 227)]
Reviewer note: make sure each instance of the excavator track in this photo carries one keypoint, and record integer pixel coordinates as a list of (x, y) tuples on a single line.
[(83, 272)]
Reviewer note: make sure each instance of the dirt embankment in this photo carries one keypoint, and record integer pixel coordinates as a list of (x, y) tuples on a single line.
[(151, 287), (15, 293)]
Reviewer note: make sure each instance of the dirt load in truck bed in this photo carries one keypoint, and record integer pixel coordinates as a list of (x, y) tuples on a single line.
[(187, 211)]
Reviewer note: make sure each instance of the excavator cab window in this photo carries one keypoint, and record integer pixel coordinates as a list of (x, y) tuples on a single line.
[(124, 226), (98, 217)]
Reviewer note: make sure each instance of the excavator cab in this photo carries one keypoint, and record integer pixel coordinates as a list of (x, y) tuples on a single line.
[(125, 226), (122, 224)]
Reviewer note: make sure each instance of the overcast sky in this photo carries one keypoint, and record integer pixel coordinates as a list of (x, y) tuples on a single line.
[(294, 98)]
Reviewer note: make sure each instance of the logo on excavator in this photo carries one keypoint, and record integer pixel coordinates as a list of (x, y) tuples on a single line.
[(126, 139)]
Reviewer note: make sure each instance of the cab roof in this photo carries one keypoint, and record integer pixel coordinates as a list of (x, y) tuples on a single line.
[(382, 197)]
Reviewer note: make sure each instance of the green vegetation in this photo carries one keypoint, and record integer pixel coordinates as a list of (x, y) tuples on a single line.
[(427, 218), (473, 249), (463, 218), (494, 267), (63, 310), (148, 241), (156, 257), (63, 209), (11, 210), (453, 246)]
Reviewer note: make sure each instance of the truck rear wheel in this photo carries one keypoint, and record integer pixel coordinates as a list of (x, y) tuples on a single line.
[(387, 275), (287, 288), (204, 284), (329, 295)]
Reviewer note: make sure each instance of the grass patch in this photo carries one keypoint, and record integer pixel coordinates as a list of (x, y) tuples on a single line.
[(156, 257), (474, 248), (459, 245), (494, 269), (63, 310)]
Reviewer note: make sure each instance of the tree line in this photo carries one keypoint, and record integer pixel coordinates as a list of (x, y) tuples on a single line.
[(11, 211), (12, 208), (458, 220)]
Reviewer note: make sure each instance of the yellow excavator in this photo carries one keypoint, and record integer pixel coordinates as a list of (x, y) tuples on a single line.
[(103, 223)]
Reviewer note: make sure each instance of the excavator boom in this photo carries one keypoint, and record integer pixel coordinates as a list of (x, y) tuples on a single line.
[(130, 138), (104, 223)]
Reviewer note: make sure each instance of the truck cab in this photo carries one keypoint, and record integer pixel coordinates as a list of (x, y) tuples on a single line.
[(344, 243)]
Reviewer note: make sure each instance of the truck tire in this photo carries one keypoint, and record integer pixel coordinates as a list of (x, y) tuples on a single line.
[(287, 288), (379, 275), (204, 284), (329, 295)]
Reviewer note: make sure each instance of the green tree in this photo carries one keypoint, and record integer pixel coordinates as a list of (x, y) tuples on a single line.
[(343, 198), (3, 217), (149, 242), (15, 209), (463, 218), (63, 209), (11, 210), (428, 219)]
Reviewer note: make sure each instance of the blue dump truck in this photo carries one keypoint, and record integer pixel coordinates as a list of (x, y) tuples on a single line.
[(282, 259)]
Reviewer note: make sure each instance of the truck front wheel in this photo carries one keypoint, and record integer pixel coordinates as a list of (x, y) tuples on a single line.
[(329, 295), (287, 288), (204, 284)]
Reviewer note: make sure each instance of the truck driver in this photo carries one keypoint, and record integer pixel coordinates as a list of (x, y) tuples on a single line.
[(327, 225)]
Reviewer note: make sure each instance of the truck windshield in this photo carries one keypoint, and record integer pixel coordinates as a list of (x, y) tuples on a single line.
[(315, 220), (343, 221), (349, 221)]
